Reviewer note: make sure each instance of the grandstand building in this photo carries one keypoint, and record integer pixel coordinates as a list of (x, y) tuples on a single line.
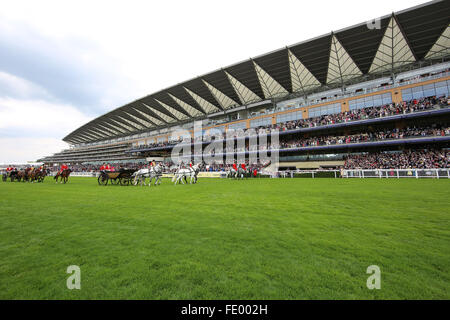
[(379, 86)]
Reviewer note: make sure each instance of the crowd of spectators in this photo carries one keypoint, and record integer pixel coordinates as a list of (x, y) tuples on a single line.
[(368, 113), (392, 109), (422, 159), (382, 135)]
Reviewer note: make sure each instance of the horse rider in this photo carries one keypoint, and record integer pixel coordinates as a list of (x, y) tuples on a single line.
[(63, 167), (234, 166), (243, 166), (152, 163), (9, 170)]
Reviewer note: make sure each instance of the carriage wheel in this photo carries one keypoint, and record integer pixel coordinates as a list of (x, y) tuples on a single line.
[(124, 181), (114, 181), (102, 180)]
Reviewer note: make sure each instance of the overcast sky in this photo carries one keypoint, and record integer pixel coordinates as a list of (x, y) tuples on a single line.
[(63, 63)]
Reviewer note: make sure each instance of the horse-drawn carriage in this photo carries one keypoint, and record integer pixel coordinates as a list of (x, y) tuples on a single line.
[(122, 177)]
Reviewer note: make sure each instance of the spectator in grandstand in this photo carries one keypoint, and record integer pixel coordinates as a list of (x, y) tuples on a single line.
[(392, 109), (421, 159)]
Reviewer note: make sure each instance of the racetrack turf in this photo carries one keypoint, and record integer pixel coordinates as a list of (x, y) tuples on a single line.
[(224, 239)]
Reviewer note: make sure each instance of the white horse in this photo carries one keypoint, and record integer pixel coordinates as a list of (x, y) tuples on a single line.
[(156, 173), (240, 174), (196, 168), (139, 176), (190, 172), (231, 173), (182, 174), (152, 173), (236, 174)]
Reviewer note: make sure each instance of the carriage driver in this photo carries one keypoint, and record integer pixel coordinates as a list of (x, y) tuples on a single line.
[(152, 163), (103, 167)]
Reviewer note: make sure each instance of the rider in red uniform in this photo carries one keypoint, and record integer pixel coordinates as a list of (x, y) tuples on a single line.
[(235, 166), (63, 167), (243, 166), (103, 167), (108, 167), (9, 170)]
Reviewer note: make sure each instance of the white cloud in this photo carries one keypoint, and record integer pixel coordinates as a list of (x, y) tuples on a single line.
[(13, 86), (72, 53), (23, 150), (31, 129), (39, 116), (158, 44)]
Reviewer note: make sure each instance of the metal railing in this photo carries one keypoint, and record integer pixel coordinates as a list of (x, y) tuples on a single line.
[(413, 173)]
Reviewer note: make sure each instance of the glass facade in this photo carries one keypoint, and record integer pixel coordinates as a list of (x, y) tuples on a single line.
[(238, 125), (221, 129), (433, 89), (291, 116), (261, 122), (371, 101), (328, 109)]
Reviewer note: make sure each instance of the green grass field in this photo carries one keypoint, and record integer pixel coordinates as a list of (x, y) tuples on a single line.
[(222, 239)]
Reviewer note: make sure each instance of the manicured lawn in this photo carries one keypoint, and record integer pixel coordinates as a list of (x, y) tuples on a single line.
[(222, 239)]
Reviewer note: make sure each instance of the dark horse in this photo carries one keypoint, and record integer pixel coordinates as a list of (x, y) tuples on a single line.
[(38, 175), (14, 175), (63, 175), (19, 176)]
